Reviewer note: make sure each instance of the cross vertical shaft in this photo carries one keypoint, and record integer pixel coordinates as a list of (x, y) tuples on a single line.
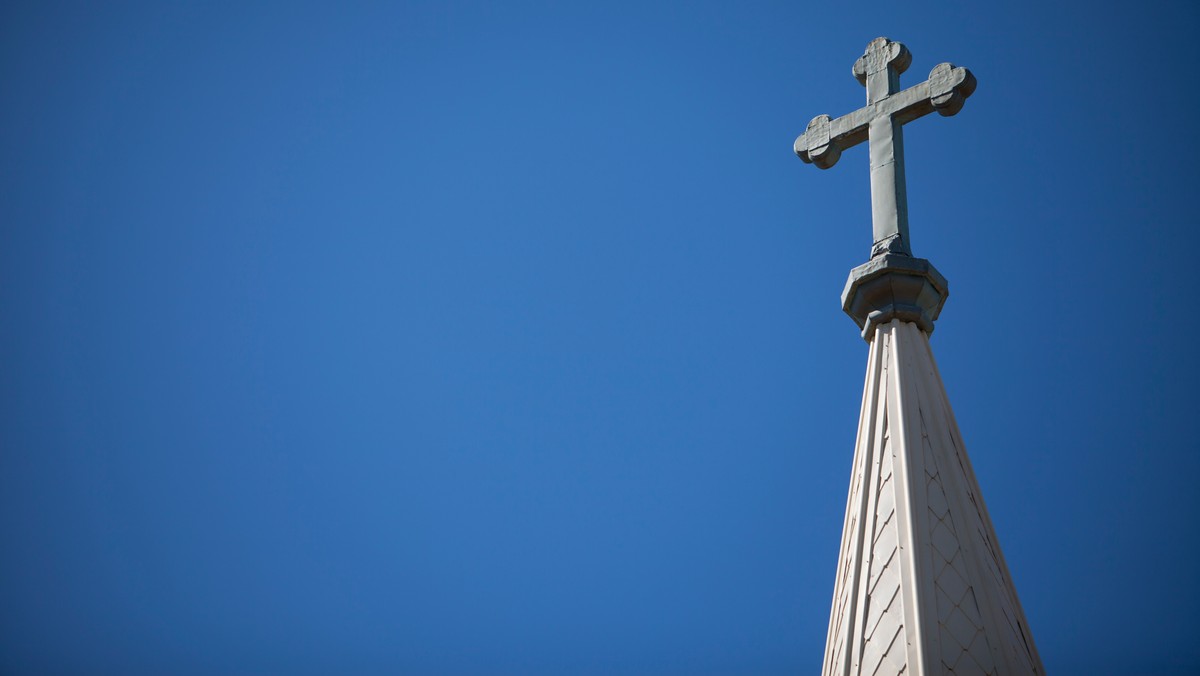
[(879, 71), (889, 196)]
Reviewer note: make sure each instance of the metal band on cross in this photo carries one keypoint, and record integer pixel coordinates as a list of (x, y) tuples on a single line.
[(881, 121)]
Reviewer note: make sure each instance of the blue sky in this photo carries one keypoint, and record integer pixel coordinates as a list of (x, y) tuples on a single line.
[(504, 338)]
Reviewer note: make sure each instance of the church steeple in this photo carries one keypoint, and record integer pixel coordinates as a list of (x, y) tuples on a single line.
[(921, 587)]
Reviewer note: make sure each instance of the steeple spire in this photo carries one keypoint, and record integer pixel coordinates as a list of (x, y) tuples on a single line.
[(921, 587)]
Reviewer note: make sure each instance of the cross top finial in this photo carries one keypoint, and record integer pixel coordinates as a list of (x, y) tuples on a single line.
[(880, 66), (881, 121), (879, 54)]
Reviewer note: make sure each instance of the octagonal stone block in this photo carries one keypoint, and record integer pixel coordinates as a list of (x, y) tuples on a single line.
[(894, 286)]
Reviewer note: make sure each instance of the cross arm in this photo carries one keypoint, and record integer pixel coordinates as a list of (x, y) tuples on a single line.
[(945, 91)]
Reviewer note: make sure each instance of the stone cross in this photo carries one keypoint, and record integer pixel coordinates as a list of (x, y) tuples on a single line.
[(881, 122)]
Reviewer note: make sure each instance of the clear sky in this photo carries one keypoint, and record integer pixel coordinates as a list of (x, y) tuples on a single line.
[(504, 338)]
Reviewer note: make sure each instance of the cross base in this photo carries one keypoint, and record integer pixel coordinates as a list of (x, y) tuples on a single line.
[(893, 286)]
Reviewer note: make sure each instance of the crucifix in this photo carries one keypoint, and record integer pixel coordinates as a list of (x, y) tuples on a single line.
[(881, 122)]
